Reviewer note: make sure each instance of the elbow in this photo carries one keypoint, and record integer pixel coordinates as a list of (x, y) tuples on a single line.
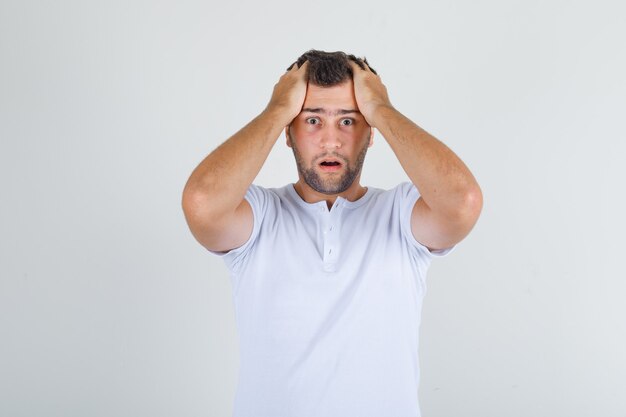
[(471, 205), (198, 198), (197, 205), (192, 204), (201, 207), (191, 198)]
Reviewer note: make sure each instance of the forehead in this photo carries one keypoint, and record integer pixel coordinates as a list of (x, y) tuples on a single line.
[(337, 97)]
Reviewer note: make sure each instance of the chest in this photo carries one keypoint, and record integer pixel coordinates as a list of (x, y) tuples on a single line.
[(333, 240)]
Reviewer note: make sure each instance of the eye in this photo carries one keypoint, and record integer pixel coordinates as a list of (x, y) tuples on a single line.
[(312, 121), (346, 122)]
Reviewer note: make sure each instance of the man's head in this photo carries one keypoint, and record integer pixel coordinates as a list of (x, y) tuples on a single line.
[(330, 136), (329, 68)]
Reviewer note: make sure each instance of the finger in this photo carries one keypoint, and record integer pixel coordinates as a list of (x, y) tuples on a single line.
[(355, 67), (304, 65), (354, 64), (367, 65)]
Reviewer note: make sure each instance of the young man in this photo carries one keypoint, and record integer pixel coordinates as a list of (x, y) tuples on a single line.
[(328, 276)]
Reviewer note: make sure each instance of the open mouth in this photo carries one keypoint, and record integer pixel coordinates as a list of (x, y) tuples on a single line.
[(330, 165)]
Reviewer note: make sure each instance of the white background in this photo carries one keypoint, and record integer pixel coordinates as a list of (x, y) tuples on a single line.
[(108, 307)]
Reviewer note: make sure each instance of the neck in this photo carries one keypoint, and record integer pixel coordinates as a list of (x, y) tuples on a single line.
[(308, 194)]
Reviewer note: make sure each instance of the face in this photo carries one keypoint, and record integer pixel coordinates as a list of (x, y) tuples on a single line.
[(329, 138)]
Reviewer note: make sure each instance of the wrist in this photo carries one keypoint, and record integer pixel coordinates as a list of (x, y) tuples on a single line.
[(380, 114), (278, 114)]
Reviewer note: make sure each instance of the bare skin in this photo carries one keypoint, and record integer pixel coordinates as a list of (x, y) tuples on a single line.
[(317, 126), (451, 199), (213, 199), (330, 127)]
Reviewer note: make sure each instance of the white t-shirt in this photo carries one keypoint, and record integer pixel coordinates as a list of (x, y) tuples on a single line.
[(328, 306)]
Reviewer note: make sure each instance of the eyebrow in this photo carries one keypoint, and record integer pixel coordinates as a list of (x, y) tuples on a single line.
[(324, 111)]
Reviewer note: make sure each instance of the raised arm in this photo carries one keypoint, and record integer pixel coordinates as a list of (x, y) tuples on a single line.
[(213, 199), (451, 199)]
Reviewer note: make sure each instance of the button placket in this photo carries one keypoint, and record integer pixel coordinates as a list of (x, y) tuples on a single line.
[(331, 237)]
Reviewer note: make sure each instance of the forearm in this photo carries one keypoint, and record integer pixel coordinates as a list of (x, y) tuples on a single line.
[(444, 181), (217, 187), (221, 180)]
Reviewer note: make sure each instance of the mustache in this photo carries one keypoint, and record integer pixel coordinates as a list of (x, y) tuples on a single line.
[(326, 155)]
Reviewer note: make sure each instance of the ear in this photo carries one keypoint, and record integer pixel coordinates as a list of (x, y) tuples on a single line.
[(288, 136), (371, 137)]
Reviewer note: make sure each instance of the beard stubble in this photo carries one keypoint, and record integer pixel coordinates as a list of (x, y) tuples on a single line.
[(331, 184)]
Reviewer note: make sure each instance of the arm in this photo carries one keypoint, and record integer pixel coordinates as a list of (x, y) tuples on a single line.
[(213, 199), (451, 199)]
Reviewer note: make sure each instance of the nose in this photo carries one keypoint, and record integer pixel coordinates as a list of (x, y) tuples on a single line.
[(330, 138)]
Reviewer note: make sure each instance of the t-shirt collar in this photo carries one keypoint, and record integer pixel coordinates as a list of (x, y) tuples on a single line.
[(339, 202)]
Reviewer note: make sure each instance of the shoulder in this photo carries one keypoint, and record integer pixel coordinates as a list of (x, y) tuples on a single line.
[(405, 190), (401, 193), (395, 203), (272, 202), (259, 196)]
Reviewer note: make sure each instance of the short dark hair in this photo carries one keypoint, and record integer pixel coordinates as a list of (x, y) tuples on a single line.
[(329, 68)]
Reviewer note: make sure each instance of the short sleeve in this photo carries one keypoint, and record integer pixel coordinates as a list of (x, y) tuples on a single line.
[(406, 197), (258, 198)]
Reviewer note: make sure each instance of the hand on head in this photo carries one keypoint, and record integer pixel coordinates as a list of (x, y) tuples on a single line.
[(290, 91), (369, 91)]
